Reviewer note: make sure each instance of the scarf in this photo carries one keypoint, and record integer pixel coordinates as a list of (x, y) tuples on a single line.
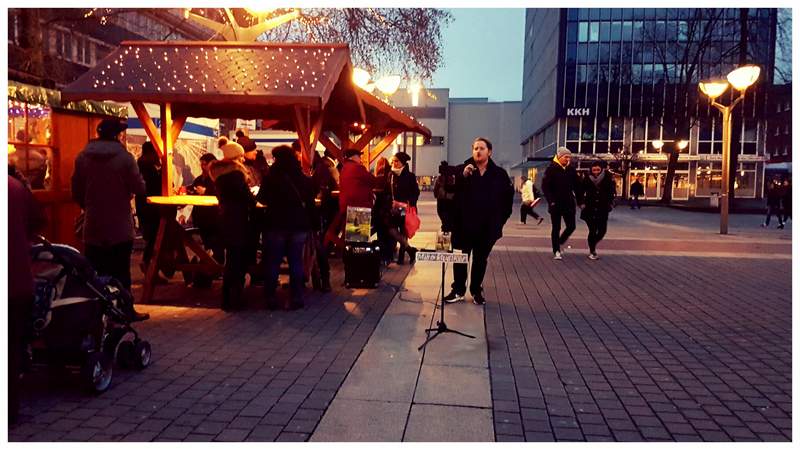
[(597, 179), (555, 158)]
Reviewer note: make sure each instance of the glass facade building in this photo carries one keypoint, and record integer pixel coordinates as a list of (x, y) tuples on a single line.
[(607, 83)]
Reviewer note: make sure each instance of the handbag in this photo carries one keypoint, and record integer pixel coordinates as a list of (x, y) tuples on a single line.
[(412, 222)]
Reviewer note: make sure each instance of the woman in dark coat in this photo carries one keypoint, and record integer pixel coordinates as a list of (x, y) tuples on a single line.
[(150, 168), (405, 190), (382, 210), (290, 215), (596, 200), (236, 203)]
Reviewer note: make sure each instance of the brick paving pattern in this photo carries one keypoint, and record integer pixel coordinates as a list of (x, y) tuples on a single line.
[(639, 348), (249, 376)]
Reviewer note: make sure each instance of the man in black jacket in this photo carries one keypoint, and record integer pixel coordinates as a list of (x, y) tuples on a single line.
[(484, 198), (560, 185)]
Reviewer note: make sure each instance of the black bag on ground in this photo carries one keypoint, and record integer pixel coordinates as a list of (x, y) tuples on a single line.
[(362, 264)]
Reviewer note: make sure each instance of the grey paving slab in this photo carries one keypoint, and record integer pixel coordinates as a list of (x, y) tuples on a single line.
[(453, 385), (388, 381), (362, 420), (436, 423)]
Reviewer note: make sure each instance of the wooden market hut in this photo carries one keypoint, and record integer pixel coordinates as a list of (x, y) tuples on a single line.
[(304, 88)]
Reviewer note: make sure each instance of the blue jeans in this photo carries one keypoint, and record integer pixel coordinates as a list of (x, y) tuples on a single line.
[(278, 244)]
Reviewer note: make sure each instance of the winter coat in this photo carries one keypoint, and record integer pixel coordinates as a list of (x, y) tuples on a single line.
[(355, 186), (289, 197), (529, 192), (235, 200), (256, 170), (382, 211), (404, 187), (326, 176), (637, 190), (444, 187), (148, 214), (775, 194), (205, 216), (105, 179), (560, 185), (483, 204), (598, 199), (23, 224)]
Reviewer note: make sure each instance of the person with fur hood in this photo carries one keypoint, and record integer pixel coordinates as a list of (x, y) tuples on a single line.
[(236, 204)]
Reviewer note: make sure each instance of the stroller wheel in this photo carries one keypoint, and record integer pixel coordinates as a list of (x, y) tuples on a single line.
[(142, 354), (126, 354), (96, 372)]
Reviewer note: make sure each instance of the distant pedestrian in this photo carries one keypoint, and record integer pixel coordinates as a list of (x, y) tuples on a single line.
[(775, 195), (787, 200), (444, 192), (596, 200), (637, 190), (483, 203), (105, 179), (529, 196), (560, 185)]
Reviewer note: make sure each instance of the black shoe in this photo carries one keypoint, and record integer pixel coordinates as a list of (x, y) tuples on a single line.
[(541, 219), (478, 299), (412, 255), (453, 297), (139, 317), (780, 227)]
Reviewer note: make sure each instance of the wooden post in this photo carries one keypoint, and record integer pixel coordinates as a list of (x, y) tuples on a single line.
[(168, 145), (301, 125), (383, 145), (331, 146)]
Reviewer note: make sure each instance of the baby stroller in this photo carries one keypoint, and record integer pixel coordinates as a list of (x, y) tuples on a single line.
[(82, 319)]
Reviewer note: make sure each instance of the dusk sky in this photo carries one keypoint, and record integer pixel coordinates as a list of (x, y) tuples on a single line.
[(482, 52)]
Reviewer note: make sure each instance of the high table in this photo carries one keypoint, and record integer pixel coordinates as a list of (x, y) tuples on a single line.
[(179, 240)]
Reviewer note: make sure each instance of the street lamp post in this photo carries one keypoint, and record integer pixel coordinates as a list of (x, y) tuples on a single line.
[(740, 79)]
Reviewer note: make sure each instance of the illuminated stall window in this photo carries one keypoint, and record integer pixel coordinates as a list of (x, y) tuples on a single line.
[(709, 179), (30, 134)]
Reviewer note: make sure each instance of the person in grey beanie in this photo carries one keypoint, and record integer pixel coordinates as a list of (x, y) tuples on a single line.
[(560, 186)]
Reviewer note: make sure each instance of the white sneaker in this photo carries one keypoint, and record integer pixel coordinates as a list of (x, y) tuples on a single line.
[(557, 256), (593, 256)]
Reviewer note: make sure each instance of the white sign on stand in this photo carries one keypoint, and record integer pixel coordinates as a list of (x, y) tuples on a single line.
[(443, 257)]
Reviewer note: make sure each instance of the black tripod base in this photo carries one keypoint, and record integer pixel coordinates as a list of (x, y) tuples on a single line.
[(441, 327)]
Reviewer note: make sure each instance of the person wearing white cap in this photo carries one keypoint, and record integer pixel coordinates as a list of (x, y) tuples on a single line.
[(560, 186), (236, 204)]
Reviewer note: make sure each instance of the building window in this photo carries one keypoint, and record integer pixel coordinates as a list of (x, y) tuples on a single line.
[(594, 31), (745, 184), (710, 138), (709, 179), (30, 136), (749, 137), (583, 32)]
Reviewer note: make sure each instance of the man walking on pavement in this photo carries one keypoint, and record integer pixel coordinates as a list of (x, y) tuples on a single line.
[(529, 195), (484, 198), (637, 190), (560, 186)]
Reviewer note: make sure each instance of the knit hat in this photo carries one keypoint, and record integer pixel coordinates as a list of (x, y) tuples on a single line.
[(561, 151), (402, 157), (110, 128), (232, 150)]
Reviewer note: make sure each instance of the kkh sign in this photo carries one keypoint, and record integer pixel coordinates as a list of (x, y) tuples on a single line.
[(579, 112)]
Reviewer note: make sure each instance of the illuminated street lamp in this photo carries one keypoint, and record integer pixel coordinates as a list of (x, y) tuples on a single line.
[(741, 79), (658, 144)]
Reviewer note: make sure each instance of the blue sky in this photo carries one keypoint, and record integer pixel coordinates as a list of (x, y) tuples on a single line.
[(482, 54)]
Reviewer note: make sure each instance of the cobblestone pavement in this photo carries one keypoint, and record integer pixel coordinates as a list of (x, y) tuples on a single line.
[(249, 376), (633, 348)]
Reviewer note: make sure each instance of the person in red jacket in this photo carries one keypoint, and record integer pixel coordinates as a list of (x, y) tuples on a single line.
[(355, 182), (25, 222)]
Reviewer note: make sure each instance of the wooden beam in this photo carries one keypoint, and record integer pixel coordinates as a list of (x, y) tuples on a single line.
[(365, 139), (316, 131), (383, 145), (149, 127), (168, 142), (301, 124), (175, 130), (330, 145)]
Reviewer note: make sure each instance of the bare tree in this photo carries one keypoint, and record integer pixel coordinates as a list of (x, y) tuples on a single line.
[(783, 47)]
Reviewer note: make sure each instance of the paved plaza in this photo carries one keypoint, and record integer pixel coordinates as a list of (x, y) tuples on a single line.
[(675, 334)]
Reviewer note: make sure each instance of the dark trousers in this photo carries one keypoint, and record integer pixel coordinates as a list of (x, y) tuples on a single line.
[(278, 244), (569, 221), (525, 210), (479, 247), (112, 260), (774, 210), (787, 213), (444, 209), (322, 258), (19, 315), (236, 258), (635, 202), (597, 230)]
